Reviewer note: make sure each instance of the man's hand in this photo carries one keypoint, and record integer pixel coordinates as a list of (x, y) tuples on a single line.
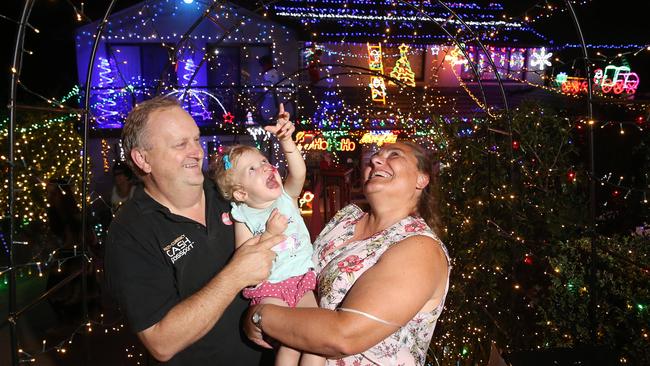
[(283, 128), (252, 261), (277, 223)]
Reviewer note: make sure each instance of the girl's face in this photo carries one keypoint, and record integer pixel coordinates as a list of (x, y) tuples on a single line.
[(259, 183)]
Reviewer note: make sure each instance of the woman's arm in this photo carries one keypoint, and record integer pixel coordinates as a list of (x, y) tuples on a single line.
[(408, 276)]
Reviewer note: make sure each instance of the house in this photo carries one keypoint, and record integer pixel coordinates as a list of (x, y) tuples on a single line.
[(345, 67)]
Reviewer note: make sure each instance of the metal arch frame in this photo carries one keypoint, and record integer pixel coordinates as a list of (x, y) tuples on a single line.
[(451, 37), (185, 36), (225, 34), (593, 289), (363, 71), (84, 155), (17, 69), (15, 75)]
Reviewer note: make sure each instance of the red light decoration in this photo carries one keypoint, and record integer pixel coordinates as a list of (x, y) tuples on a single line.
[(571, 176), (515, 145), (528, 259), (228, 118)]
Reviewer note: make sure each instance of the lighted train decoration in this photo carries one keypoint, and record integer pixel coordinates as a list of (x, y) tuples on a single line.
[(613, 80)]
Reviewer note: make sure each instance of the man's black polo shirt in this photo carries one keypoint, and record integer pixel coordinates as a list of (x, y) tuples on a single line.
[(155, 259)]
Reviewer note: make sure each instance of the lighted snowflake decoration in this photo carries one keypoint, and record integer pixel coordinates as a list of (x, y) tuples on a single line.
[(561, 78), (541, 59)]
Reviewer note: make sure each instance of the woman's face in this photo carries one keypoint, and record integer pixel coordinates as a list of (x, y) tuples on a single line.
[(393, 169)]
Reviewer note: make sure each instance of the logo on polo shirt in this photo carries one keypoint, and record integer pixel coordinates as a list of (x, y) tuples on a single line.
[(178, 248)]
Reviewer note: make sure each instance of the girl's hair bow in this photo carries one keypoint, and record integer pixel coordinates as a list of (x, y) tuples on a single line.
[(226, 162)]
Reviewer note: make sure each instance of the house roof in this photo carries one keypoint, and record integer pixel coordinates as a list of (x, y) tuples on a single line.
[(400, 21)]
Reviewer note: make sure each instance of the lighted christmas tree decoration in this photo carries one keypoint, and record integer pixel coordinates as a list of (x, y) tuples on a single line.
[(106, 104), (402, 69), (189, 97)]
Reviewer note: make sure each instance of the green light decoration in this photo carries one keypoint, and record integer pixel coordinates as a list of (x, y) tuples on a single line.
[(46, 148)]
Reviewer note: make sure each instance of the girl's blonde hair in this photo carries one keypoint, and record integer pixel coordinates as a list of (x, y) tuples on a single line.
[(222, 169)]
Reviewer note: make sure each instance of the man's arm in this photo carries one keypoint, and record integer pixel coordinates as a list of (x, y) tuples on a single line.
[(283, 129), (191, 319)]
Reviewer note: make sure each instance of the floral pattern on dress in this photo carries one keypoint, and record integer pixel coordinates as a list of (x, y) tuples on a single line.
[(340, 262)]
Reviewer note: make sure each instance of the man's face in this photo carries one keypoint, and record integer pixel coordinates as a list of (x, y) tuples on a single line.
[(175, 156)]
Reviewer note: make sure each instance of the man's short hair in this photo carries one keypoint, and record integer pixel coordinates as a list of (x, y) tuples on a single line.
[(135, 126)]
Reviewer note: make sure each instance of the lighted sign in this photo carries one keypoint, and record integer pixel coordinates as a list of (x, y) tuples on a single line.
[(570, 84), (315, 141), (309, 141), (617, 79), (379, 138), (306, 202), (375, 63), (346, 144)]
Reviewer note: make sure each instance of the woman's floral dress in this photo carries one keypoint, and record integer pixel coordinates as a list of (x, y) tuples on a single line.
[(339, 266)]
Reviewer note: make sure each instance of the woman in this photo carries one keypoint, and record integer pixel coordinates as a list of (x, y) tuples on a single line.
[(383, 275)]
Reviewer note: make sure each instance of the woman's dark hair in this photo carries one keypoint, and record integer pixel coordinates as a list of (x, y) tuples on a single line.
[(63, 212), (122, 168), (428, 204)]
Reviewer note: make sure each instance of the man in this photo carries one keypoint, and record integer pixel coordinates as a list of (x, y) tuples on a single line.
[(170, 258)]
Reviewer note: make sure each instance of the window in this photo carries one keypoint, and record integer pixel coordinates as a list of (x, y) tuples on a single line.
[(509, 62)]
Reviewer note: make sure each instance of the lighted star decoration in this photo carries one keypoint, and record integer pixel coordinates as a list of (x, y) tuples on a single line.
[(435, 50), (206, 115), (228, 118), (541, 59)]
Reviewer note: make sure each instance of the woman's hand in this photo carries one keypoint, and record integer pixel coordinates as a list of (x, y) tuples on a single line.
[(252, 332)]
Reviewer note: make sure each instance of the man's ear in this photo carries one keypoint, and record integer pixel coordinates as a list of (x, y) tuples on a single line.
[(239, 195), (422, 181), (140, 159)]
